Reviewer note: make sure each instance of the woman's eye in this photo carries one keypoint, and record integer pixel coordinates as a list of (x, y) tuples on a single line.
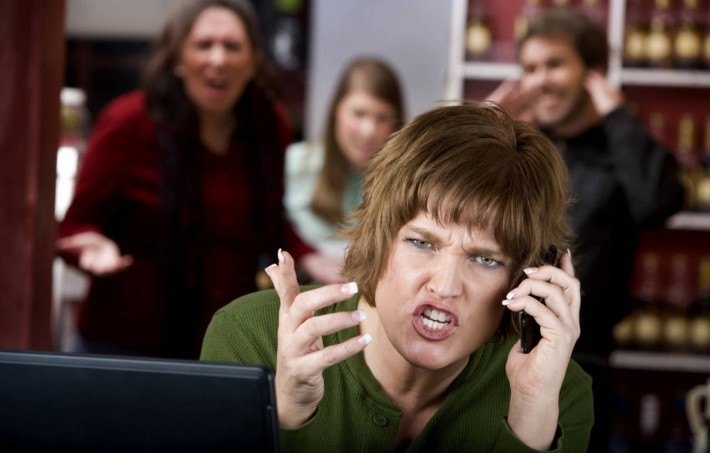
[(418, 243), (488, 262)]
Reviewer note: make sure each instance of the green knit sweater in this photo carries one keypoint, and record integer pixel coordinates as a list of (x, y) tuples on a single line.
[(355, 415)]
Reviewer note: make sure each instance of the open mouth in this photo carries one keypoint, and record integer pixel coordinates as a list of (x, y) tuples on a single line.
[(435, 319), (433, 323)]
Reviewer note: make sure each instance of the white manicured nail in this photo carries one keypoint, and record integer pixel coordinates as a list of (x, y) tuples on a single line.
[(359, 315), (349, 288)]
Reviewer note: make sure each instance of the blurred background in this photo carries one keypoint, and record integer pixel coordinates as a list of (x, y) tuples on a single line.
[(67, 58)]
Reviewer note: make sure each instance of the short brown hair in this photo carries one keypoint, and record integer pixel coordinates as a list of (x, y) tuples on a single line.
[(587, 36), (473, 165)]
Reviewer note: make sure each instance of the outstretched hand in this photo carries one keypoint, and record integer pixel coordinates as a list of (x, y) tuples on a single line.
[(301, 355), (98, 255), (536, 378)]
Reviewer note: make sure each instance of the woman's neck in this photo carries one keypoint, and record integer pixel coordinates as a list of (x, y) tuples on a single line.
[(216, 132)]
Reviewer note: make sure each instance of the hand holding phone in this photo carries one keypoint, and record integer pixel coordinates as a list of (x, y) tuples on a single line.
[(530, 334)]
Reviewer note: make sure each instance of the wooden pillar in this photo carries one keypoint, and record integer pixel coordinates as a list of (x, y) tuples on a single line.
[(32, 61)]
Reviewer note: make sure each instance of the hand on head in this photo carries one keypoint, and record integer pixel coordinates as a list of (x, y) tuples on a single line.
[(98, 255), (301, 355), (509, 94), (604, 96)]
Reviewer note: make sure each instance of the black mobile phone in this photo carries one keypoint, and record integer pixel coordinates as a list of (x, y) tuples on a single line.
[(529, 328)]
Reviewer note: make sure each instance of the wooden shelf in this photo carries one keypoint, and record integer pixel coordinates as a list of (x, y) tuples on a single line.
[(689, 221), (490, 71), (666, 77), (660, 361)]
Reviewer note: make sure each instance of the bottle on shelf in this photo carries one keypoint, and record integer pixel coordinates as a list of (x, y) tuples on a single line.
[(621, 438), (702, 188), (657, 127), (595, 10), (529, 11), (679, 438), (687, 155), (705, 59), (647, 321), (688, 41), (658, 47), (649, 419), (636, 32), (699, 325), (678, 297), (479, 38)]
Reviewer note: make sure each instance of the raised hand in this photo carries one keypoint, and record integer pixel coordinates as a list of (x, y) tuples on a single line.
[(510, 95), (301, 356), (536, 378), (98, 255), (604, 97)]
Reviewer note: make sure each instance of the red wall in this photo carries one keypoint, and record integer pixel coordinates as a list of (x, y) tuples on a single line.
[(32, 58)]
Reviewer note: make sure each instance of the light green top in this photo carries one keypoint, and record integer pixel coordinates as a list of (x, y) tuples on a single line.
[(355, 415), (304, 162)]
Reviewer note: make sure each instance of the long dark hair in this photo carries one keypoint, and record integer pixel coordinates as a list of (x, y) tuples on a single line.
[(167, 100), (378, 79), (178, 136)]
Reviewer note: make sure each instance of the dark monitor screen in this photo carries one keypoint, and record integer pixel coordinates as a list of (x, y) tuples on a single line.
[(64, 402)]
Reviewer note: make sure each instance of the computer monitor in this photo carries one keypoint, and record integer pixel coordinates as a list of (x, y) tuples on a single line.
[(63, 402)]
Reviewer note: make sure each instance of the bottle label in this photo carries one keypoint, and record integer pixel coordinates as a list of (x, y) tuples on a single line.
[(688, 44), (478, 39), (658, 46), (634, 46)]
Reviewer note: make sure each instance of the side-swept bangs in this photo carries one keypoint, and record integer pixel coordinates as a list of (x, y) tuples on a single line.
[(471, 165)]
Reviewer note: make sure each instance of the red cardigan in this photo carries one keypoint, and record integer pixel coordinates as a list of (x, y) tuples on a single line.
[(118, 194)]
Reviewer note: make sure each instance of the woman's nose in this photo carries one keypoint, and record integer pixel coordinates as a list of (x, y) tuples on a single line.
[(445, 279)]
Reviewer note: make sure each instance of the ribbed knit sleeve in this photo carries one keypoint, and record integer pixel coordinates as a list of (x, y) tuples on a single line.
[(233, 335)]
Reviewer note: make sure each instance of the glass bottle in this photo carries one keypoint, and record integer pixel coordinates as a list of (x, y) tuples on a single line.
[(678, 297), (702, 189), (699, 325), (688, 42), (529, 11), (479, 39), (595, 10), (658, 47), (635, 34), (687, 156), (657, 127), (647, 318)]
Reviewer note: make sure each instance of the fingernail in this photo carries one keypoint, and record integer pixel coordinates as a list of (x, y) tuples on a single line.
[(268, 268), (280, 255), (530, 270), (365, 339), (569, 252), (349, 288), (510, 295), (359, 315), (505, 302)]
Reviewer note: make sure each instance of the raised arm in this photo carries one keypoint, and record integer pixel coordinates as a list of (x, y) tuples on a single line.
[(301, 356), (536, 378)]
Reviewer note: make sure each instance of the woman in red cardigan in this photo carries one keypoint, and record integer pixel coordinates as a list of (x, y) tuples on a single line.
[(180, 191)]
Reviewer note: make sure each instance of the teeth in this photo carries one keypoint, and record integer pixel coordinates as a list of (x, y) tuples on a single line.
[(435, 319), (435, 325)]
